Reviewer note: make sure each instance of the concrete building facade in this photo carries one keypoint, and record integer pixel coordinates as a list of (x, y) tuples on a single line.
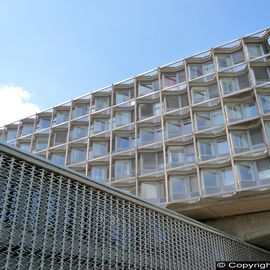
[(184, 135)]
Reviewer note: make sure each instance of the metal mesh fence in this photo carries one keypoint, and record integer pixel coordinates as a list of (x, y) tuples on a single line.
[(51, 220)]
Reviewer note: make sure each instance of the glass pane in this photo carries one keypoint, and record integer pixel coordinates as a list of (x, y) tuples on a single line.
[(222, 147), (245, 172), (265, 101), (210, 179), (172, 102), (149, 191), (101, 103), (174, 128), (122, 143), (122, 95), (228, 177), (250, 110), (256, 137)]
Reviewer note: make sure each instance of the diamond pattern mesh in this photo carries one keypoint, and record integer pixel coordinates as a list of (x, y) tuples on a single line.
[(51, 221)]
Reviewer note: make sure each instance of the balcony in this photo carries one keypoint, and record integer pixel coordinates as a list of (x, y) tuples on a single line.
[(231, 85), (99, 173), (261, 75), (123, 169), (77, 154), (256, 50), (151, 162), (213, 148), (209, 120), (201, 70), (183, 188), (98, 149), (99, 125), (247, 140), (175, 101), (218, 181), (225, 60), (242, 110), (124, 142), (254, 174), (178, 128), (202, 94), (181, 155), (153, 192), (170, 79), (80, 110), (149, 135)]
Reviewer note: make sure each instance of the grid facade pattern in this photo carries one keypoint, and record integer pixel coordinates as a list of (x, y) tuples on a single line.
[(55, 219), (199, 127)]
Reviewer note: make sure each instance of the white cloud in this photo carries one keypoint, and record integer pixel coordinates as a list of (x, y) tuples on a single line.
[(15, 104)]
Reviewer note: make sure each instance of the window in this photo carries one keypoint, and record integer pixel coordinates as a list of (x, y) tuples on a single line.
[(218, 181), (171, 79), (241, 111), (43, 123), (80, 110), (246, 175), (263, 169), (183, 187), (79, 132), (261, 75), (151, 162), (175, 102), (150, 192), (148, 87), (200, 94), (11, 134), (181, 155), (123, 142), (122, 95), (61, 117), (100, 125), (26, 129), (255, 50), (209, 119), (176, 128), (77, 155), (172, 102), (227, 60), (60, 137), (210, 149), (123, 118), (100, 148), (41, 144), (265, 102), (247, 140), (149, 110), (101, 103), (58, 159), (197, 70), (122, 169), (99, 173), (150, 135), (25, 146), (230, 85)]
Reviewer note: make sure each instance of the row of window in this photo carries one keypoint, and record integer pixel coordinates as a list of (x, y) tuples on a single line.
[(235, 111), (243, 140), (250, 174)]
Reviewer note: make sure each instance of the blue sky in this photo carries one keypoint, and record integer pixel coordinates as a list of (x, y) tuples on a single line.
[(57, 50)]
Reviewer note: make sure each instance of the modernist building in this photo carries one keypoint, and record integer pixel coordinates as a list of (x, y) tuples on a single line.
[(197, 128)]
